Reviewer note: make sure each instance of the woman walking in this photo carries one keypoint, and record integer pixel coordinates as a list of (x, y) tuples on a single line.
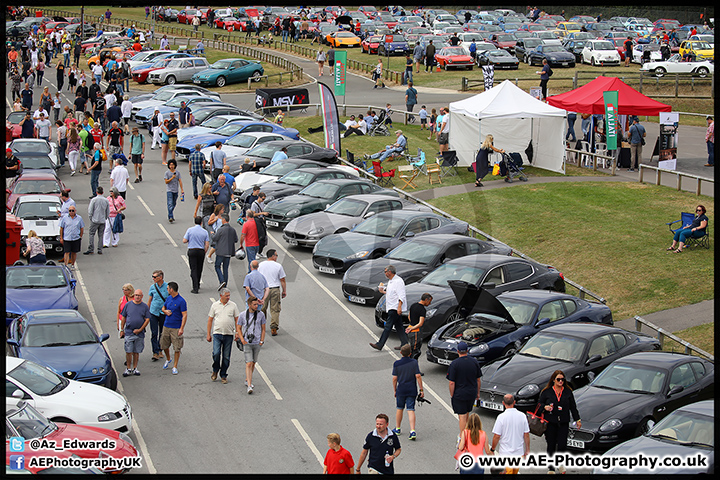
[(73, 149), (320, 61), (72, 78), (40, 68), (35, 248), (46, 100), (117, 206), (558, 402), (128, 292), (60, 74), (473, 441), (482, 161)]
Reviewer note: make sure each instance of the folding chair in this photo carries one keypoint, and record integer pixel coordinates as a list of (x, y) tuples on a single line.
[(407, 174), (397, 155), (687, 218), (449, 163), (350, 157), (419, 162), (433, 168), (383, 178)]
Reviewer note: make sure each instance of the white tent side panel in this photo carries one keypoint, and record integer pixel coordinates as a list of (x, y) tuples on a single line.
[(464, 137)]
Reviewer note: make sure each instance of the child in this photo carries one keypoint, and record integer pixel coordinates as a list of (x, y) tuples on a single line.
[(388, 120), (247, 166), (423, 118), (433, 117), (279, 117)]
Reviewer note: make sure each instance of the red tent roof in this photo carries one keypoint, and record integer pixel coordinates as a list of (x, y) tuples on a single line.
[(589, 99)]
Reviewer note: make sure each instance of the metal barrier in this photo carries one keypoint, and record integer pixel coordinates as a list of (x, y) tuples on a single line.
[(406, 115), (680, 175), (662, 334)]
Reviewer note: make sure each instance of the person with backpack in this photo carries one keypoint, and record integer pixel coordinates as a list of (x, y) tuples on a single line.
[(545, 75)]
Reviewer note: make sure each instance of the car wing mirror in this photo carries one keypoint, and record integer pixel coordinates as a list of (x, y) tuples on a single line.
[(13, 342), (104, 337), (409, 234), (593, 359), (73, 282), (369, 214), (675, 390), (542, 321), (19, 394), (488, 286)]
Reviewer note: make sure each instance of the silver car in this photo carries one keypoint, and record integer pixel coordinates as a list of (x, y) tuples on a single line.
[(178, 70)]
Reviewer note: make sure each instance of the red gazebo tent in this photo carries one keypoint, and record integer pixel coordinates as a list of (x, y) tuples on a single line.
[(589, 99)]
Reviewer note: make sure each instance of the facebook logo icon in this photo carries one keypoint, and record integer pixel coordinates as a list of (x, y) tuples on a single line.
[(17, 444), (17, 462)]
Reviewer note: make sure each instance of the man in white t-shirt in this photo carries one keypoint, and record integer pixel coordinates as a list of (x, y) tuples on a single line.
[(97, 71), (511, 432), (44, 128), (119, 177), (110, 100), (275, 276)]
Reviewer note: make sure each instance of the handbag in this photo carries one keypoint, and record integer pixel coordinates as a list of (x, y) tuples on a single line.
[(537, 424), (459, 452), (496, 169)]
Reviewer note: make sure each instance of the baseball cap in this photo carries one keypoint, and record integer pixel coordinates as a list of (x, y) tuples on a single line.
[(462, 347), (8, 150)]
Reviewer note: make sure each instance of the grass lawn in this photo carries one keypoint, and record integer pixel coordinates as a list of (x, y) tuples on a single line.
[(702, 336)]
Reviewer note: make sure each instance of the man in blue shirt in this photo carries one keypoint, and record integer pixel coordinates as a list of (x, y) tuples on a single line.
[(637, 135), (381, 448), (406, 374), (198, 241), (157, 294), (175, 310), (71, 232), (397, 147), (223, 192), (255, 284), (279, 155), (135, 317), (184, 115), (196, 164)]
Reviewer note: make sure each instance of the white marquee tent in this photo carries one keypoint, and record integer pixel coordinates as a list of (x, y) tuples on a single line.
[(514, 118)]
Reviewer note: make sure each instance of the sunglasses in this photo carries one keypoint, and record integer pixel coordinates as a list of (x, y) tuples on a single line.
[(559, 379), (71, 210), (155, 276), (698, 209)]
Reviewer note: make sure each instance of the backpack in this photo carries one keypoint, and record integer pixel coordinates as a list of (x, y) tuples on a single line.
[(89, 142), (550, 72)]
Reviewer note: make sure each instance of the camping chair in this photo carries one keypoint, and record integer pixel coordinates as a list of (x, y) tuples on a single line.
[(687, 219), (433, 168), (351, 158), (418, 162), (449, 163), (407, 174), (383, 178), (396, 155)]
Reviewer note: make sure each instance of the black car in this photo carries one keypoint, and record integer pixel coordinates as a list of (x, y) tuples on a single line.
[(412, 260), (317, 197), (87, 30), (634, 392), (292, 182), (500, 59), (504, 323), (575, 47), (263, 154), (524, 46), (377, 235), (555, 55), (580, 350), (494, 273)]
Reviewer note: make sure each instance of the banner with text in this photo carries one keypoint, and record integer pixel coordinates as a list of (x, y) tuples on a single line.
[(611, 100), (331, 120), (340, 68)]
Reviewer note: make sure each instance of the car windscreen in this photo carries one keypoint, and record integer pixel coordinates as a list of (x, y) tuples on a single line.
[(505, 38), (634, 378), (30, 147), (15, 117), (34, 277), (344, 35), (278, 169), (244, 141), (296, 177), (221, 64), (521, 312), (36, 162), (415, 252), (441, 275), (175, 63), (29, 423), (321, 190), (554, 347), (36, 186), (381, 226), (603, 46), (453, 51), (264, 151), (175, 102), (685, 427), (228, 130), (214, 122), (58, 334), (164, 96), (348, 206), (38, 379), (553, 49), (38, 210)]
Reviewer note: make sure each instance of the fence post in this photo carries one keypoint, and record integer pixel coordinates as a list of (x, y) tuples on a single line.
[(677, 84)]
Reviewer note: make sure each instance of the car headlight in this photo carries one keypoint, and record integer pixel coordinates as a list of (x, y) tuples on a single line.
[(479, 349), (611, 425), (316, 231), (126, 438), (430, 313), (361, 254), (293, 213), (107, 417), (528, 390)]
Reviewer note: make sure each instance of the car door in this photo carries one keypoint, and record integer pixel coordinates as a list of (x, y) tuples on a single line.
[(235, 72), (684, 376), (199, 64), (297, 150)]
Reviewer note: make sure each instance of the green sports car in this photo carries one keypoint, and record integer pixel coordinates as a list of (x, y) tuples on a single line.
[(229, 70)]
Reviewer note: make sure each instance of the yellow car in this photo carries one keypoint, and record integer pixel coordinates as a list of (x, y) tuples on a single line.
[(702, 50), (565, 28), (342, 39), (103, 56)]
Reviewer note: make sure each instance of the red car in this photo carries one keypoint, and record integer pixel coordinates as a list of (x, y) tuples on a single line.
[(506, 41), (141, 75), (453, 57), (236, 23), (369, 45), (369, 11), (13, 122), (26, 422), (33, 182), (53, 26), (619, 46), (186, 16)]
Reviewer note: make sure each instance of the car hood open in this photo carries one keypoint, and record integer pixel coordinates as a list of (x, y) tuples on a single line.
[(473, 299)]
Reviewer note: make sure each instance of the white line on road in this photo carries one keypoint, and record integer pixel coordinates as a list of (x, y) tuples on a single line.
[(308, 440), (184, 257), (269, 383), (168, 236), (145, 205)]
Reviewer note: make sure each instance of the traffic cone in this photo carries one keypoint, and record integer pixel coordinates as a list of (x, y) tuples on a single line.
[(437, 69)]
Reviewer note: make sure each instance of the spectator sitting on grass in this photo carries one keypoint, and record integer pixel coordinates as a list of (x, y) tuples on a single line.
[(359, 128)]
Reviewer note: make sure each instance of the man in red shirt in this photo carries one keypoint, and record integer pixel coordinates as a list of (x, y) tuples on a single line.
[(250, 238), (337, 459)]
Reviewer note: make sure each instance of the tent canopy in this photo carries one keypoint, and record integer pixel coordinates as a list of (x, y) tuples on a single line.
[(515, 119), (589, 99)]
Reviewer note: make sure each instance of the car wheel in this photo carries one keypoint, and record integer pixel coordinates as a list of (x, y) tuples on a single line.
[(470, 67), (659, 72), (220, 82), (572, 65), (91, 65), (256, 76), (509, 350), (112, 383), (455, 315), (446, 67), (703, 72), (592, 61), (170, 80)]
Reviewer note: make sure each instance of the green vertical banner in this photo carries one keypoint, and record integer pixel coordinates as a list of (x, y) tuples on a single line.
[(611, 100), (340, 68)]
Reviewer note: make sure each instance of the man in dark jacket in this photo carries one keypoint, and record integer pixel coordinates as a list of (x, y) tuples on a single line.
[(430, 56)]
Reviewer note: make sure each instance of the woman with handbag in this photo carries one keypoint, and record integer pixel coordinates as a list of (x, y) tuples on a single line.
[(558, 402), (482, 160), (128, 292), (473, 441), (113, 225)]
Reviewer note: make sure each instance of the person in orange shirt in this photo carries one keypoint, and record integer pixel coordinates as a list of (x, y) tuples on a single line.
[(12, 58)]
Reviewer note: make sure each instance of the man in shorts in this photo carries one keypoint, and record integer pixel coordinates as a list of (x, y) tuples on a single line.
[(137, 152), (135, 317), (72, 227), (172, 128), (250, 332), (405, 375), (464, 375), (175, 310), (444, 130)]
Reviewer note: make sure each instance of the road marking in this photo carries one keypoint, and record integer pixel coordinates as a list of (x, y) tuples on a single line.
[(168, 236), (120, 389), (359, 322), (130, 186), (309, 441), (267, 380), (145, 205), (184, 257)]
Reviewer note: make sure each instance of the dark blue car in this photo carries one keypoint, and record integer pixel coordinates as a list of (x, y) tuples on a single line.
[(394, 44), (226, 132), (65, 342), (34, 287)]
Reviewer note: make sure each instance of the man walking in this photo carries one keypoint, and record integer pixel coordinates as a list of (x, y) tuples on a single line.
[(274, 273), (217, 160), (172, 128), (95, 170), (249, 238), (410, 97), (198, 241), (544, 77), (250, 332), (223, 192), (119, 177), (115, 139), (222, 318), (416, 315), (710, 141), (511, 432), (464, 376), (255, 284), (98, 213), (156, 122), (405, 375), (196, 166), (394, 301), (381, 448), (137, 152), (637, 139), (225, 238), (72, 227), (175, 310), (135, 317), (157, 294)]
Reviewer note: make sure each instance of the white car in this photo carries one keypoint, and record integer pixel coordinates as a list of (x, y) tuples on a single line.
[(640, 48), (703, 37), (211, 124), (41, 214), (64, 400), (600, 52), (438, 27), (165, 96), (147, 56), (241, 143), (276, 170), (674, 64)]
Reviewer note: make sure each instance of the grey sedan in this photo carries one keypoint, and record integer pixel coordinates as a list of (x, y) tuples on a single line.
[(178, 70)]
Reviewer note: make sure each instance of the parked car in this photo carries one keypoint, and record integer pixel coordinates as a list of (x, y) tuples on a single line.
[(178, 70), (453, 57), (141, 72), (581, 350), (148, 56), (22, 146), (394, 44), (412, 260), (505, 41), (634, 392), (377, 235), (144, 116), (225, 133), (162, 97), (371, 44), (275, 170), (688, 432), (600, 52), (294, 181), (261, 155), (239, 145), (34, 182), (13, 123), (65, 342), (495, 273), (524, 46), (229, 70), (316, 197), (563, 29), (674, 64), (41, 214), (699, 49), (575, 47), (342, 39), (36, 161), (639, 50), (30, 287), (186, 16), (555, 55), (500, 59), (502, 324), (212, 120)]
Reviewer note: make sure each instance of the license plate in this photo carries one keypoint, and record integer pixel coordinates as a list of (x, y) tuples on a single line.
[(575, 443), (47, 245), (565, 64), (272, 223), (196, 81), (355, 299), (292, 242), (327, 270), (492, 406), (444, 361)]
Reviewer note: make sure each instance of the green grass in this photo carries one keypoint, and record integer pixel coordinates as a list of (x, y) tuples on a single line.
[(702, 336)]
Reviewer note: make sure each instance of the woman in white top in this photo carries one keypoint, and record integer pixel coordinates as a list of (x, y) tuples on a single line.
[(126, 108), (321, 60)]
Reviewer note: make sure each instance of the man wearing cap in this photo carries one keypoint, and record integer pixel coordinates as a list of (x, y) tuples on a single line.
[(184, 114), (137, 152), (196, 166), (172, 128), (464, 376), (12, 165), (155, 125), (394, 302), (397, 147)]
